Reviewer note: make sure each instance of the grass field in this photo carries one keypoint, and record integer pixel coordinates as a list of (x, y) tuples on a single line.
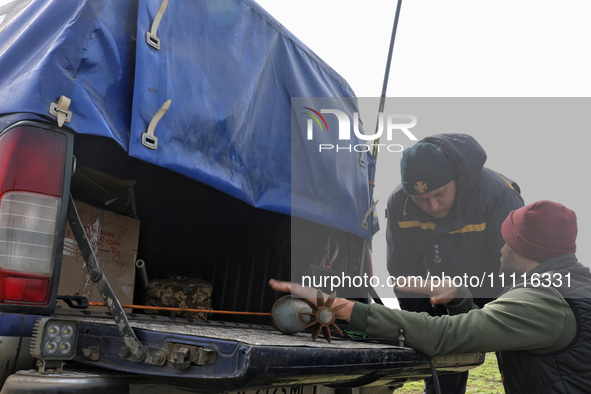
[(483, 379)]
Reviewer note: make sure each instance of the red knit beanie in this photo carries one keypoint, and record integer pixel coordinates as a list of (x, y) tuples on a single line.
[(541, 230)]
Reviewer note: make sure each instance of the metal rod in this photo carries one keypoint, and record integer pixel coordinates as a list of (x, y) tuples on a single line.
[(381, 106), (96, 275), (387, 72), (141, 274)]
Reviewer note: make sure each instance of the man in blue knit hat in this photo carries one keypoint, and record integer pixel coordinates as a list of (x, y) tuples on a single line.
[(444, 220)]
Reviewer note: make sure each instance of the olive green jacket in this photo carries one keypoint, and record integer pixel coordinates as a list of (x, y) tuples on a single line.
[(524, 318)]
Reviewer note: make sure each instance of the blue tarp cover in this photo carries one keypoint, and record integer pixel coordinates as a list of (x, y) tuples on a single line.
[(230, 71)]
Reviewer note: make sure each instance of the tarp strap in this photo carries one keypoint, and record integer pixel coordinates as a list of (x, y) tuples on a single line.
[(151, 36), (364, 224), (149, 140), (60, 110)]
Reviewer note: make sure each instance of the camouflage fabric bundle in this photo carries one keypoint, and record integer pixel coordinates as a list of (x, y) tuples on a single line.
[(179, 292)]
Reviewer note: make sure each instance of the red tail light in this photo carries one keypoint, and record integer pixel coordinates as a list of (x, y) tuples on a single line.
[(32, 169)]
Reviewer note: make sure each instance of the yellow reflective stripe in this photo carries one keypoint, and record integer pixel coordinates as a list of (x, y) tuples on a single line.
[(416, 223), (508, 183), (470, 228), (431, 226)]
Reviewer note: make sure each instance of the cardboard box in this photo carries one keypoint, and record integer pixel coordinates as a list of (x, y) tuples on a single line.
[(114, 239)]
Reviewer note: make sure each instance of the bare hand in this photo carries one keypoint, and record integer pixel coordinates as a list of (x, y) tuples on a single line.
[(440, 292), (294, 288)]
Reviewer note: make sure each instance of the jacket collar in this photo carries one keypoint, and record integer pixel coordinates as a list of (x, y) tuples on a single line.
[(453, 221)]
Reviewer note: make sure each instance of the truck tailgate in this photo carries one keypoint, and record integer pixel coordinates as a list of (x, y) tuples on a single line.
[(232, 356)]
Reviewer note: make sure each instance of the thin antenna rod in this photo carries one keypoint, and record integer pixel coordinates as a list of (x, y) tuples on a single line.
[(387, 72)]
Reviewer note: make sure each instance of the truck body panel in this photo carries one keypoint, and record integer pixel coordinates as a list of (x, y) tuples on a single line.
[(216, 196)]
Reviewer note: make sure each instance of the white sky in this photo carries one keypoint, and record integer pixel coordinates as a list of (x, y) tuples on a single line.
[(449, 48), (463, 48)]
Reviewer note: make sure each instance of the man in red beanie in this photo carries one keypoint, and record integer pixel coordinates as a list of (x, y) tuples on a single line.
[(540, 325)]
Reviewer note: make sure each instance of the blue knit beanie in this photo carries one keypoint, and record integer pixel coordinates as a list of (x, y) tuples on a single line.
[(424, 168)]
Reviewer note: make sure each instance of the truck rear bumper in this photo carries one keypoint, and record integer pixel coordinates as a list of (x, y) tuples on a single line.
[(32, 382)]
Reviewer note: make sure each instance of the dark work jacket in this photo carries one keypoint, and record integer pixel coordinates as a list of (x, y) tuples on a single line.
[(567, 370), (468, 240)]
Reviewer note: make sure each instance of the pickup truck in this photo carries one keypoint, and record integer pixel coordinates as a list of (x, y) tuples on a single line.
[(178, 116)]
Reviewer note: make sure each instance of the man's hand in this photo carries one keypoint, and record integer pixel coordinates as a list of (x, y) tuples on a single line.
[(293, 288), (311, 293), (439, 292)]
